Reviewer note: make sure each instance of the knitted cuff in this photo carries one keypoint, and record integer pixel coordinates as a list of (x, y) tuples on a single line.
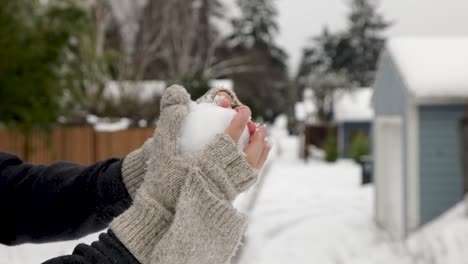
[(134, 167), (142, 226), (205, 229), (210, 95), (225, 164), (220, 213), (133, 171)]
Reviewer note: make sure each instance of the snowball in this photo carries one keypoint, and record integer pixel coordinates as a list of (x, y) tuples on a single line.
[(203, 122)]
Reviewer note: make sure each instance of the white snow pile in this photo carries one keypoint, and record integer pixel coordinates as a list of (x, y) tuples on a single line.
[(432, 67), (443, 241), (203, 123), (354, 105)]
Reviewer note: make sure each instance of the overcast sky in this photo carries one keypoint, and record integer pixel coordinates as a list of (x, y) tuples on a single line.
[(301, 19)]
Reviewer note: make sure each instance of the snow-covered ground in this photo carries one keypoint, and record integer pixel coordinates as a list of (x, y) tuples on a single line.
[(38, 253), (312, 212), (316, 212), (444, 241)]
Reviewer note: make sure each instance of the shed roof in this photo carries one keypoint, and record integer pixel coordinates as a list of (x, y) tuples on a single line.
[(354, 105), (432, 68)]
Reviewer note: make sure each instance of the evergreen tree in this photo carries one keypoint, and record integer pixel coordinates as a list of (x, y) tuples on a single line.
[(264, 87), (257, 28), (355, 50), (359, 47), (257, 24), (35, 51), (316, 72), (345, 59)]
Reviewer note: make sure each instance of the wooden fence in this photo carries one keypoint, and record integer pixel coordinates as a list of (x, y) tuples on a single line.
[(79, 144)]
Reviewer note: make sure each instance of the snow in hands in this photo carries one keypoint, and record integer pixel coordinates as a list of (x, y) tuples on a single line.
[(203, 122)]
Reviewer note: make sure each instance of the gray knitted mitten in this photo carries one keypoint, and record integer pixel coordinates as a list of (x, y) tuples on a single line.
[(135, 164), (191, 187)]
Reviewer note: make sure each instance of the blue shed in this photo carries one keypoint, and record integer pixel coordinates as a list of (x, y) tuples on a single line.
[(421, 96), (353, 113)]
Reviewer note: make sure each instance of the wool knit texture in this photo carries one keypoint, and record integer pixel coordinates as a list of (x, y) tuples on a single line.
[(134, 167), (210, 95), (182, 213), (135, 164)]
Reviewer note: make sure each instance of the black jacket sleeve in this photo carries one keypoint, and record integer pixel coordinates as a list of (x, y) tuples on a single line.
[(42, 203), (107, 250)]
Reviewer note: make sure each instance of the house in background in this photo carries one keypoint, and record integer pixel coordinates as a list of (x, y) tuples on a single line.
[(353, 113), (421, 97)]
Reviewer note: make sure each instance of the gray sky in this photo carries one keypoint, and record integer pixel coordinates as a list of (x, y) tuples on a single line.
[(301, 19)]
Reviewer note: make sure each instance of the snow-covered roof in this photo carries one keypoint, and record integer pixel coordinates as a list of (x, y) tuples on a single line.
[(146, 90), (354, 105), (432, 67), (143, 90), (305, 111), (222, 83)]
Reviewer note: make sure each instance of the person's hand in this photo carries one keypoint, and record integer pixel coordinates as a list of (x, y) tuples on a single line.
[(259, 147), (190, 194), (223, 99)]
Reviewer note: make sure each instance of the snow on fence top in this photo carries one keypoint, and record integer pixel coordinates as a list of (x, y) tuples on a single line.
[(354, 105), (432, 67)]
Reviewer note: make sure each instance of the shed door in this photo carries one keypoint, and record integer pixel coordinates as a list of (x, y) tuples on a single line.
[(441, 181), (389, 176)]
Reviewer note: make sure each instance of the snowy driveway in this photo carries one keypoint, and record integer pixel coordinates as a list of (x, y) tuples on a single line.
[(313, 213), (310, 213)]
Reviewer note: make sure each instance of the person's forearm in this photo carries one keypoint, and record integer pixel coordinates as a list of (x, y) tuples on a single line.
[(58, 201)]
